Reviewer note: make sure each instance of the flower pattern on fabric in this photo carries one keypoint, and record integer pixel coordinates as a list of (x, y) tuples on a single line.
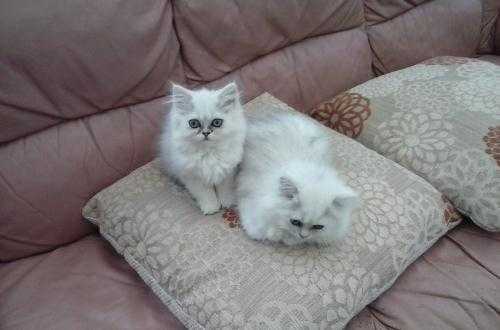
[(213, 312), (326, 272), (472, 184), (479, 95), (345, 113), (492, 140), (374, 87), (390, 83), (144, 241), (424, 97), (231, 218), (418, 141), (381, 215), (277, 315), (348, 292), (310, 269), (422, 208), (448, 60), (420, 72), (478, 69)]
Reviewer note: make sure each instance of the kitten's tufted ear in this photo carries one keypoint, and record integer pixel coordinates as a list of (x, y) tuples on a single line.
[(178, 90), (347, 200), (229, 96), (181, 97), (288, 188)]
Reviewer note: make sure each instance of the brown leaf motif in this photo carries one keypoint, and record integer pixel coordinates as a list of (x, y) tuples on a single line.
[(345, 113), (231, 218), (492, 140), (451, 215)]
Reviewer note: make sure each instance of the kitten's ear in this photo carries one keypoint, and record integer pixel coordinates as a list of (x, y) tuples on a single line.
[(288, 188), (348, 200), (181, 97), (229, 96), (179, 91)]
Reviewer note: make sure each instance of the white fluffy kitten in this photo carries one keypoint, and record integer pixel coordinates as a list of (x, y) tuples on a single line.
[(202, 143), (288, 190)]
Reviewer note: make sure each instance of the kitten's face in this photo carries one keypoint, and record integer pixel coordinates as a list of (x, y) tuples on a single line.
[(206, 116), (314, 216)]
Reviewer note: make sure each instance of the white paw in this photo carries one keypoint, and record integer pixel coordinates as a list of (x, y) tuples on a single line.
[(226, 200), (209, 206), (273, 235)]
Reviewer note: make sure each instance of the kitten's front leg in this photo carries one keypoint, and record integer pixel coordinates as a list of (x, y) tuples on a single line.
[(225, 191), (204, 195)]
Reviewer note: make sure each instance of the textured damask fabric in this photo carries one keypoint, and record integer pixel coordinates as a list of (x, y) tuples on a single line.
[(211, 275), (440, 119)]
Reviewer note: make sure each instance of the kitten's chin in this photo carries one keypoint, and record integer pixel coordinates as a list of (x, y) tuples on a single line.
[(294, 240), (203, 141), (299, 241)]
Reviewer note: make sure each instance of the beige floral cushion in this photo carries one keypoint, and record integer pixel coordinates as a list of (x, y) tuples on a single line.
[(211, 275), (440, 119)]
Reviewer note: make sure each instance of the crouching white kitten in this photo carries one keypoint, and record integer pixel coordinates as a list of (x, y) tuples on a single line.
[(288, 190), (202, 143)]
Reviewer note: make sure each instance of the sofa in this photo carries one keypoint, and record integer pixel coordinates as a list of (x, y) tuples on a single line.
[(82, 94)]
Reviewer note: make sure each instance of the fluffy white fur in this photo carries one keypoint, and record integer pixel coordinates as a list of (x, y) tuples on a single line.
[(204, 158), (287, 176)]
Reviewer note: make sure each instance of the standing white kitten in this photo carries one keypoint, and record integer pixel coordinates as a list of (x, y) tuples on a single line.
[(202, 143), (288, 190)]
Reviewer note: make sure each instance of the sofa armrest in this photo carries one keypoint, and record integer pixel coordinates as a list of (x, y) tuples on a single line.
[(497, 35)]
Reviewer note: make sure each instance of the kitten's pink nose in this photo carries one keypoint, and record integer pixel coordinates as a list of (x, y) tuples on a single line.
[(206, 133)]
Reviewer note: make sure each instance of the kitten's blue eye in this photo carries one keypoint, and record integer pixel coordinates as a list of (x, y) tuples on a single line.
[(217, 122), (317, 227), (194, 123), (296, 222)]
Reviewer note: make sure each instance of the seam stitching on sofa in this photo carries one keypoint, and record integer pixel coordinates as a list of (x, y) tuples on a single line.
[(183, 61), (359, 27), (15, 193), (188, 80), (401, 13), (64, 121)]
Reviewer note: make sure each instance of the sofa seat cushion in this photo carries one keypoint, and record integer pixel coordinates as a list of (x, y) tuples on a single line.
[(441, 120), (83, 285), (455, 285), (210, 274)]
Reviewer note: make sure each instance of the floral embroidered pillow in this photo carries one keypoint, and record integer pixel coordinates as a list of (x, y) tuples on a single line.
[(440, 119), (211, 275)]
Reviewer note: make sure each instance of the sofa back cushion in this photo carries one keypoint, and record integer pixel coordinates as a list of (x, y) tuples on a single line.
[(497, 35), (219, 37), (491, 12), (404, 33), (71, 75)]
